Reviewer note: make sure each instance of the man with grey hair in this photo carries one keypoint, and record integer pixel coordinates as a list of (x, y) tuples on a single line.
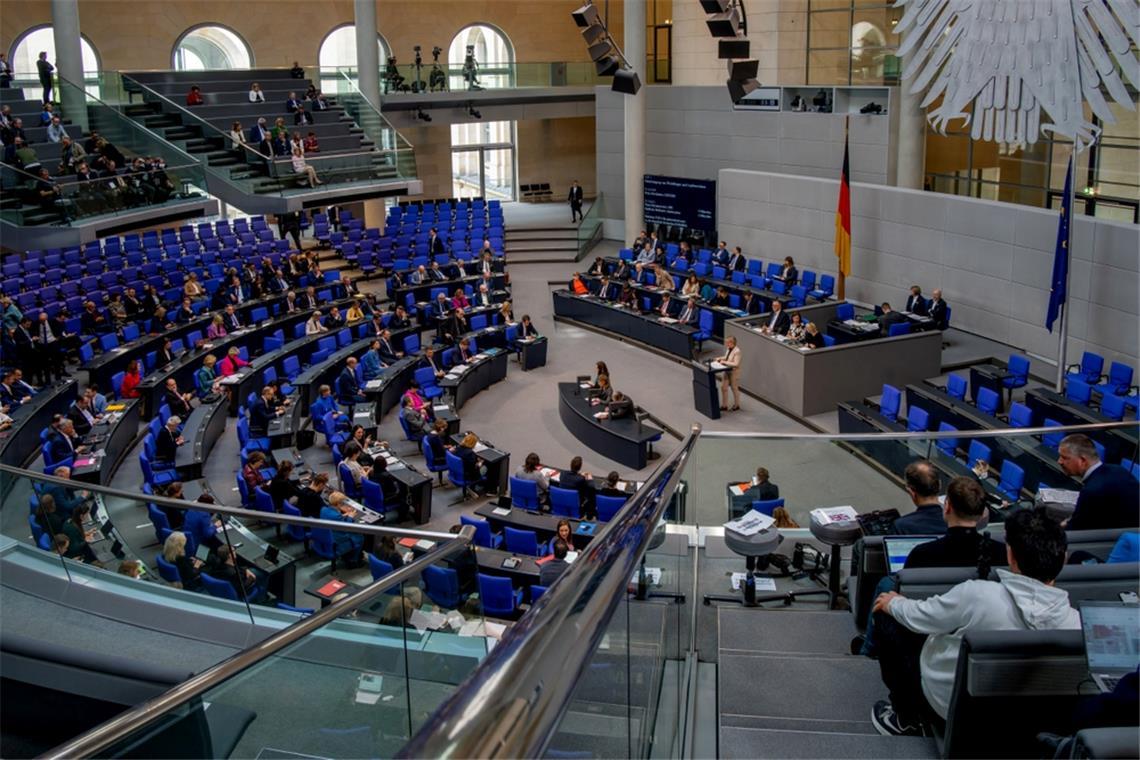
[(1110, 496), (168, 440)]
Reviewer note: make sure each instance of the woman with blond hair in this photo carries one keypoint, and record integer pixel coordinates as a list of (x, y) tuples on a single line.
[(174, 552)]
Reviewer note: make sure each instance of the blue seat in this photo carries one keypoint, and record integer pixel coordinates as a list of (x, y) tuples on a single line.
[(844, 311), (948, 446), (483, 535), (767, 506), (1089, 370), (1112, 406), (430, 462), (499, 597), (425, 377), (977, 451), (245, 441), (456, 476), (303, 611), (167, 571), (890, 401), (49, 465), (262, 501), (524, 493), (988, 401), (1018, 375), (347, 484), (441, 584), (564, 502), (536, 593), (1012, 478), (826, 288), (899, 328), (295, 532), (609, 506), (374, 499), (917, 420), (704, 327), (37, 531), (956, 386), (378, 567), (1020, 415), (523, 542), (1052, 440), (243, 489), (322, 544), (1119, 380), (219, 588), (152, 477), (44, 542), (1077, 390), (408, 434)]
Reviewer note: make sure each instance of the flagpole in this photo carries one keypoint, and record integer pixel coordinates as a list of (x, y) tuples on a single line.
[(842, 289), (1070, 203)]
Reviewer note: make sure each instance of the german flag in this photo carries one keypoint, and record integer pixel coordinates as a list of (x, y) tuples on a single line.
[(843, 217)]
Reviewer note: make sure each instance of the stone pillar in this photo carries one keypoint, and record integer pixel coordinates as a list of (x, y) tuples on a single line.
[(911, 158), (69, 62), (367, 51), (634, 49)]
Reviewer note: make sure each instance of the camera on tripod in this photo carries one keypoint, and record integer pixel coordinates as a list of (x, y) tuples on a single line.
[(419, 58), (871, 108), (435, 53)]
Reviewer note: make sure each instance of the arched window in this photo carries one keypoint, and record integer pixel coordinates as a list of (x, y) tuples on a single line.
[(205, 48), (493, 58), (42, 39), (338, 51)]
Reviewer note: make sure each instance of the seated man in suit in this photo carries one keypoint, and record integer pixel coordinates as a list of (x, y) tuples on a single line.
[(890, 317), (429, 360), (690, 314), (263, 411), (64, 442), (721, 256), (67, 499), (621, 406), (667, 307), (779, 322), (168, 440), (749, 303), (582, 482), (1109, 497), (938, 310), (552, 570), (388, 354), (737, 262), (915, 303), (347, 389), (178, 402), (923, 486), (82, 415), (763, 489)]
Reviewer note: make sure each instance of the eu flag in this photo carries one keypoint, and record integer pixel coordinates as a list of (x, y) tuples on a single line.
[(1061, 254)]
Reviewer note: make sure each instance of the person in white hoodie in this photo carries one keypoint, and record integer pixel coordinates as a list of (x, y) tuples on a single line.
[(1022, 598)]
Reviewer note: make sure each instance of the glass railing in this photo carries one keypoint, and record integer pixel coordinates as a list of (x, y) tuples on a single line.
[(590, 228), (399, 154), (407, 78)]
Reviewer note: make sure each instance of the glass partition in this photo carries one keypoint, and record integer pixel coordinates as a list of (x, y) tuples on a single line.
[(590, 228)]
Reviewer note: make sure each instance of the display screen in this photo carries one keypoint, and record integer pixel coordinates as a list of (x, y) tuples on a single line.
[(680, 202)]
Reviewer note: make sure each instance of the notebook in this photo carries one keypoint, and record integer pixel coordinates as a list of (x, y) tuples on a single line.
[(1112, 640)]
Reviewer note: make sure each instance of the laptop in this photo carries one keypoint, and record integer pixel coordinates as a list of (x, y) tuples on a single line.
[(203, 553), (1112, 640), (898, 548)]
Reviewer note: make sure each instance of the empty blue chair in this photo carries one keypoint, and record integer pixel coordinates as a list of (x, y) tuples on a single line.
[(523, 542), (948, 446), (499, 597), (322, 544), (890, 402), (456, 476), (609, 506), (1078, 390), (167, 571), (44, 542), (767, 506), (262, 501), (564, 502), (483, 535), (1052, 440), (988, 401), (899, 328), (956, 386), (844, 311), (1018, 374), (1020, 415), (826, 288), (442, 586), (917, 420), (378, 567), (1089, 370), (303, 611), (425, 376), (524, 493), (978, 451), (433, 465), (152, 477), (1112, 406), (536, 593), (1119, 380), (373, 494), (1012, 478), (219, 588), (295, 532), (704, 327)]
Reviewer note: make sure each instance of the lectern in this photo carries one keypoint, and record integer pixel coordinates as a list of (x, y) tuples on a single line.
[(705, 396)]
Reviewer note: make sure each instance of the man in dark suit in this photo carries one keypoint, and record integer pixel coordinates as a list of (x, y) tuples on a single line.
[(552, 570), (64, 442), (307, 301), (915, 303), (1110, 496), (80, 413), (178, 402), (435, 243), (230, 319), (574, 198), (262, 412), (388, 354), (749, 303), (259, 137), (621, 406), (435, 274), (890, 317), (779, 322), (690, 313), (923, 486), (737, 262), (168, 440), (667, 307), (465, 352), (938, 310), (763, 489), (347, 389), (721, 255), (582, 482)]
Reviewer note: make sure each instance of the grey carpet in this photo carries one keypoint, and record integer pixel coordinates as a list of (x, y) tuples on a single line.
[(752, 743)]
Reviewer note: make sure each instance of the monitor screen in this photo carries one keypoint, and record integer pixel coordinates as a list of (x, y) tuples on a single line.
[(1112, 636), (680, 202), (898, 548)]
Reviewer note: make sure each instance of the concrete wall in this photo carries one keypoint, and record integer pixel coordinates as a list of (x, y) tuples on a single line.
[(992, 260), (694, 132)]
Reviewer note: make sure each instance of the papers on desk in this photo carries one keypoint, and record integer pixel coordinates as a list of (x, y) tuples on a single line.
[(424, 544), (652, 576), (750, 523), (501, 511), (373, 385), (715, 365), (441, 408), (763, 583), (422, 621), (834, 515), (85, 462), (369, 688), (479, 447), (571, 556), (233, 379), (667, 320), (479, 627), (549, 472), (739, 489), (120, 350), (586, 386), (621, 485)]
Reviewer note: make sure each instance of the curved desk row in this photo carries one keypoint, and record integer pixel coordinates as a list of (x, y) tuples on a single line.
[(421, 293), (310, 380), (485, 369), (103, 367), (1047, 403), (625, 440), (532, 351), (673, 338), (20, 443), (654, 293), (184, 366), (201, 430), (110, 441)]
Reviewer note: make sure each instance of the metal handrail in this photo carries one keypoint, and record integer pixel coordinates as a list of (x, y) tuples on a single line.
[(106, 734), (930, 435), (356, 91), (512, 703), (248, 514), (64, 182)]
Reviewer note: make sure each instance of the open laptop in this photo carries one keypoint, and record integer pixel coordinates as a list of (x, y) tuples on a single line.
[(1112, 640), (898, 548)]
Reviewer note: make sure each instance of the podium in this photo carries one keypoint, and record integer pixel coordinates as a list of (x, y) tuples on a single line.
[(705, 396)]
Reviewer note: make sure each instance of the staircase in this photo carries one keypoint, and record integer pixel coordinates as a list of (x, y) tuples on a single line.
[(539, 233)]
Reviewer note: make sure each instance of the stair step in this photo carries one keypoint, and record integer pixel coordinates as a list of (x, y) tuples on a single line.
[(540, 246)]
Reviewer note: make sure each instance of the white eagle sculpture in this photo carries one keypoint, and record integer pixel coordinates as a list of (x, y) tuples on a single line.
[(1013, 59)]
